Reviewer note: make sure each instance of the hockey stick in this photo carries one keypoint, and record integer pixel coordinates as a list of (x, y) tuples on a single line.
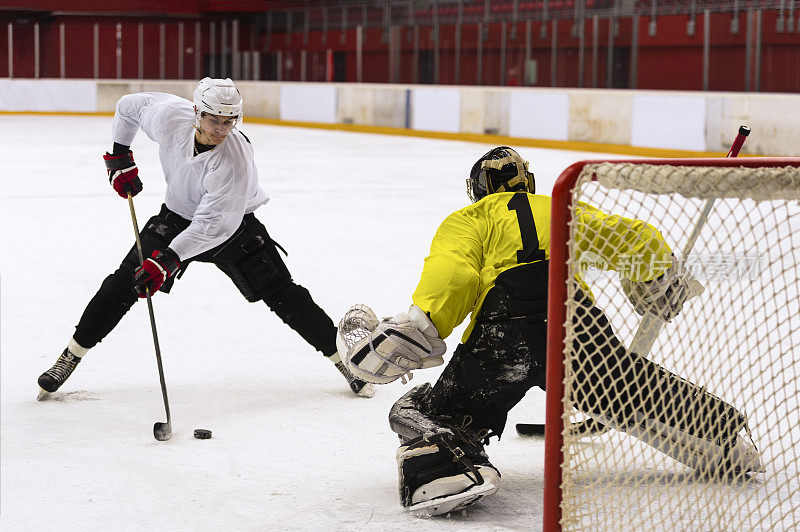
[(651, 325), (580, 429), (161, 431)]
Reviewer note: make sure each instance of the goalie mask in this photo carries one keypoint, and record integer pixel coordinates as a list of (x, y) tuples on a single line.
[(217, 97), (499, 170)]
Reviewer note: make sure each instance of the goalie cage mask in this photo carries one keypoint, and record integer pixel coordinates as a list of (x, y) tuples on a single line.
[(499, 170)]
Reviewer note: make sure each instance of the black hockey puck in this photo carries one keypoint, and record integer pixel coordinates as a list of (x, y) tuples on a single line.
[(202, 434)]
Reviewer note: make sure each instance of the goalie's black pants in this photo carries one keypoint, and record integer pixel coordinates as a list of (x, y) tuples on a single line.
[(501, 360), (505, 356), (249, 258)]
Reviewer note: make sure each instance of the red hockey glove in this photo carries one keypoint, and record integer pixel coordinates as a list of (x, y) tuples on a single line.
[(122, 171), (155, 270)]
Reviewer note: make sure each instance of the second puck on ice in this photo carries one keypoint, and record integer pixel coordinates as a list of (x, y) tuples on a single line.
[(202, 434)]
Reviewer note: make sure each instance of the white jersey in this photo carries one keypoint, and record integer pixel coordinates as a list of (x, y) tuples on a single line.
[(214, 189)]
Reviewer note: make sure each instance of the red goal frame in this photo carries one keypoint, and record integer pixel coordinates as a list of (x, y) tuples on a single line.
[(561, 212)]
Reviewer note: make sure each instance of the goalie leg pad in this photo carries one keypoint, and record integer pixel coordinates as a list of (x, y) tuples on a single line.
[(669, 413), (406, 417), (441, 473), (452, 503), (709, 457), (410, 419)]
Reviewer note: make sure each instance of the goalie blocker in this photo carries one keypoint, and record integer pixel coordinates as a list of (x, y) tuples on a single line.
[(663, 296)]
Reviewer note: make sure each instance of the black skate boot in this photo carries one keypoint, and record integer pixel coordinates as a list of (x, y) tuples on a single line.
[(54, 377), (358, 386), (442, 473)]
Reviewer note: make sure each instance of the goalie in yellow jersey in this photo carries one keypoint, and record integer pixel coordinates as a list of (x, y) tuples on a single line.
[(490, 259)]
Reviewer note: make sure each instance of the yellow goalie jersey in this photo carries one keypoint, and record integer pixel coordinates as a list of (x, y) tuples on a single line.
[(508, 229)]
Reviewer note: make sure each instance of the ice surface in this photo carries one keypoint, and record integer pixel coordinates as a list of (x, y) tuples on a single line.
[(292, 447)]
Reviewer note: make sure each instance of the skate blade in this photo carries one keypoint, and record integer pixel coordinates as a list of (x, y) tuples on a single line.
[(452, 503), (368, 391)]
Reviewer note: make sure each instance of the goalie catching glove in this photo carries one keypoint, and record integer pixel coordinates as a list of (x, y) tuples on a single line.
[(663, 296), (387, 350)]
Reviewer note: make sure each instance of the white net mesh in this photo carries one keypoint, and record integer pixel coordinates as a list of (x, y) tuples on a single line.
[(739, 340)]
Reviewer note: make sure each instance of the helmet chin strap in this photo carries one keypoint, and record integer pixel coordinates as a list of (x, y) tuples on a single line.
[(203, 136), (197, 117)]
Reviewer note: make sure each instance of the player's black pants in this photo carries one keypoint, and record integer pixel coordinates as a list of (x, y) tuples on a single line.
[(505, 356), (249, 258)]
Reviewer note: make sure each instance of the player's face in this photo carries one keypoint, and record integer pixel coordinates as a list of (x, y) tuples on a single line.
[(215, 128)]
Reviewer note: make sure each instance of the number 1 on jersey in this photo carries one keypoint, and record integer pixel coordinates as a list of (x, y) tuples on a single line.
[(530, 251)]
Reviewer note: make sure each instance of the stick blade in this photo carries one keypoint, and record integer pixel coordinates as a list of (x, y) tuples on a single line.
[(530, 429), (587, 427), (162, 431)]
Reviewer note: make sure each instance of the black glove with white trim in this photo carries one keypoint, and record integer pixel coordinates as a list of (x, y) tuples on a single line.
[(123, 174), (155, 270)]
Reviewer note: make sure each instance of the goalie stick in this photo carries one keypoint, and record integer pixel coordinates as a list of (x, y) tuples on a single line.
[(582, 428), (651, 325)]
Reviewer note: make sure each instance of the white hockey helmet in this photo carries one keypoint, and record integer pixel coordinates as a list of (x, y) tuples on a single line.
[(218, 97)]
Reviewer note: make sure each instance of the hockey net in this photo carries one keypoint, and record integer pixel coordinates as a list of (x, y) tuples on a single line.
[(738, 341)]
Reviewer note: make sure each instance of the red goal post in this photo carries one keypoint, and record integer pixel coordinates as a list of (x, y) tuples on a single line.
[(562, 210)]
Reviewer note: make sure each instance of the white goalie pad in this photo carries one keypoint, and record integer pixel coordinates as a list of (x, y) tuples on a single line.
[(705, 456), (452, 503), (438, 474), (386, 350)]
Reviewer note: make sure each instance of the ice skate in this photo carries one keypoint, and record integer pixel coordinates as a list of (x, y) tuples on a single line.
[(359, 387), (442, 473), (52, 379)]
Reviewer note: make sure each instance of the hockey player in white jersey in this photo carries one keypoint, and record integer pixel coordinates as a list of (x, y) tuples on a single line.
[(207, 216)]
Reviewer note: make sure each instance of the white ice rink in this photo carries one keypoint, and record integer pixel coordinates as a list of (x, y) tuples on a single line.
[(292, 448)]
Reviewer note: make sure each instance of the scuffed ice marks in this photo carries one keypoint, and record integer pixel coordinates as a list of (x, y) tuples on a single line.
[(68, 397)]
